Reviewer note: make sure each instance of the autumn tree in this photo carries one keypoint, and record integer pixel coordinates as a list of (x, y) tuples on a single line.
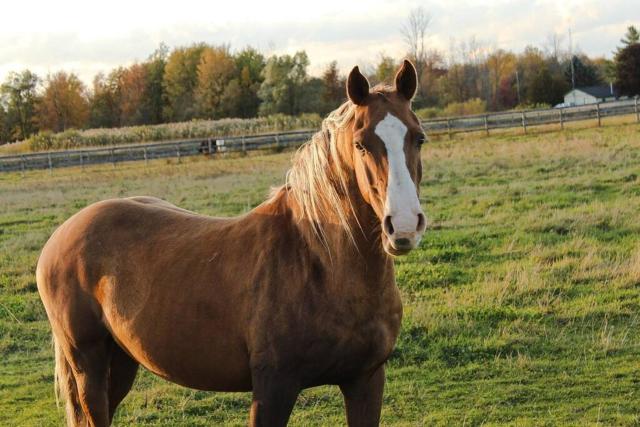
[(64, 103), (18, 94), (180, 81), (133, 87), (215, 70), (501, 68), (429, 90)]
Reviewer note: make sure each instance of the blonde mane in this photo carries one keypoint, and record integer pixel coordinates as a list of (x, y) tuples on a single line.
[(317, 181)]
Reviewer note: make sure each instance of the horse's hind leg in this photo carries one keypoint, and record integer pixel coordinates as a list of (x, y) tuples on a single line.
[(122, 373), (89, 362)]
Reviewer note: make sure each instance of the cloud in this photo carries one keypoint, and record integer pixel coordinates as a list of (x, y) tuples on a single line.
[(67, 35)]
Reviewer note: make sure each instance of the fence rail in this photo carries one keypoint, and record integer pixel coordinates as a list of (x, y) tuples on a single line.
[(274, 141), (525, 119)]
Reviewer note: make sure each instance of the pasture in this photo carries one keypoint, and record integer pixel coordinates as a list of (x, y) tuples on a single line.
[(522, 304)]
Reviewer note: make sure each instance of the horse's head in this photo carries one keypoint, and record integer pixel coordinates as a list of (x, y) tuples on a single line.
[(386, 150)]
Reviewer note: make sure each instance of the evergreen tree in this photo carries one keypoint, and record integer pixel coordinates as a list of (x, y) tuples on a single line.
[(628, 70), (584, 72)]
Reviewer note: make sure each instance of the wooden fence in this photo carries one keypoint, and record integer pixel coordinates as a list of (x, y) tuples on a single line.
[(276, 141), (525, 119)]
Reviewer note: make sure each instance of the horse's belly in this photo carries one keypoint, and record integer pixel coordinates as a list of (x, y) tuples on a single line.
[(200, 356), (216, 366)]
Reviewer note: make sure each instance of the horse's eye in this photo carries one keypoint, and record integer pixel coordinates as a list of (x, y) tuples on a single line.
[(360, 147), (420, 139)]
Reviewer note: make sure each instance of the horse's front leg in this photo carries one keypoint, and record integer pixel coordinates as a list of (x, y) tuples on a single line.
[(273, 398), (363, 398)]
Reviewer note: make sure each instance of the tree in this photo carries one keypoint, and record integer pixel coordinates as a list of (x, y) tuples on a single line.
[(19, 95), (180, 81), (4, 131), (282, 88), (385, 70), (584, 72), (628, 70), (104, 110), (64, 103), (241, 96), (632, 36), (553, 46), (333, 93), (311, 96), (215, 70), (538, 89), (605, 69), (133, 93), (501, 67), (414, 33), (154, 100)]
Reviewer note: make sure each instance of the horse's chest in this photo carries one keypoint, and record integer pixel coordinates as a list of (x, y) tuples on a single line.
[(333, 342)]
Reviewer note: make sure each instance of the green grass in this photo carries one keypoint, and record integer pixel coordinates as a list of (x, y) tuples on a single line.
[(522, 305)]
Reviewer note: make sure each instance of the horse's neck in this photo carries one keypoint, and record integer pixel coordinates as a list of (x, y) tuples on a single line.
[(360, 247)]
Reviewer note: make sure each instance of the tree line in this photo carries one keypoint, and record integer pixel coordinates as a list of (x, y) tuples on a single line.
[(203, 81)]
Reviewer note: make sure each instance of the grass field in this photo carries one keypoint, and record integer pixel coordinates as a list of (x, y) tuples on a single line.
[(522, 305)]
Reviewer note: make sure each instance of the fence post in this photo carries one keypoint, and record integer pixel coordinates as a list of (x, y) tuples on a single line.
[(50, 162), (178, 152), (524, 122), (210, 146), (22, 164), (113, 158), (82, 160), (598, 114), (449, 128), (486, 124), (637, 112), (146, 158), (244, 148), (277, 141), (562, 118)]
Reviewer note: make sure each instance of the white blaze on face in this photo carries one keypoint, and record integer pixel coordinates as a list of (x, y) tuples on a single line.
[(402, 202)]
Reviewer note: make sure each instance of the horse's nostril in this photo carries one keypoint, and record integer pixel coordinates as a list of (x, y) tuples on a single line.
[(388, 226), (421, 222), (402, 243)]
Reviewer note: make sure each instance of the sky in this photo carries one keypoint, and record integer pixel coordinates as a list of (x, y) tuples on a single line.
[(87, 37)]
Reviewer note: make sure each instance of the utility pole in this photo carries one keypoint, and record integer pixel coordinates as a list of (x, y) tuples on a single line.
[(573, 75)]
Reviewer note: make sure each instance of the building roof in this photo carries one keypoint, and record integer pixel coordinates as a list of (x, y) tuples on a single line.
[(602, 91)]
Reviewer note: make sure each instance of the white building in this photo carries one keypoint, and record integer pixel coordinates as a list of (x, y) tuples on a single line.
[(590, 95)]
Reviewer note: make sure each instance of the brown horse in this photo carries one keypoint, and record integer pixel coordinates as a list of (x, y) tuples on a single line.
[(296, 293)]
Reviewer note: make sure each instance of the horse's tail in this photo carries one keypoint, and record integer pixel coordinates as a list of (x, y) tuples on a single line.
[(65, 387)]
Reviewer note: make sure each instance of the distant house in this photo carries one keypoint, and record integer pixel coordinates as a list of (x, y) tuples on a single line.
[(590, 95)]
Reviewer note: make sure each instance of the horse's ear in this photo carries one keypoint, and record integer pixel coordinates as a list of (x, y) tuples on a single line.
[(407, 80), (357, 87)]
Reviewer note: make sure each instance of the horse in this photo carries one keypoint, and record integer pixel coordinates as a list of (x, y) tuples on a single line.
[(296, 293)]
